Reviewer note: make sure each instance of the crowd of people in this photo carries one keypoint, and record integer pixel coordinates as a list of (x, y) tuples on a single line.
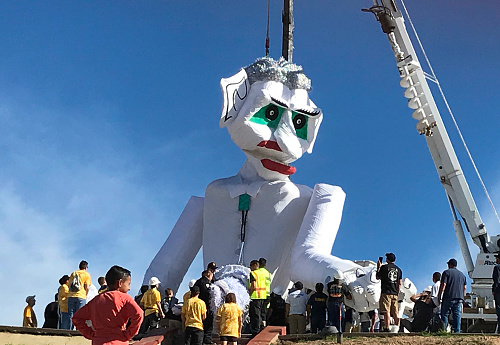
[(116, 316)]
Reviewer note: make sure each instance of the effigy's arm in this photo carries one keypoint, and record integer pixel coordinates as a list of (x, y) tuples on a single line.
[(311, 260), (179, 250)]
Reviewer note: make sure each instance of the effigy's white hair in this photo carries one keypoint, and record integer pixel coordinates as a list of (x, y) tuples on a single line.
[(287, 73)]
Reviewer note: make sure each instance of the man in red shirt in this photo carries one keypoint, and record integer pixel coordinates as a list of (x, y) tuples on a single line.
[(115, 316)]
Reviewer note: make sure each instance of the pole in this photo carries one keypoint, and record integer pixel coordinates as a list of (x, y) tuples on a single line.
[(287, 19)]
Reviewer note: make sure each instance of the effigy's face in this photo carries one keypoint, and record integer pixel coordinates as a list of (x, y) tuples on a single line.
[(274, 126)]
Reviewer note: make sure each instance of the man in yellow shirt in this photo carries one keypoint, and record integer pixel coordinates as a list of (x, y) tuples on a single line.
[(29, 317), (193, 313), (151, 301), (64, 321), (79, 284)]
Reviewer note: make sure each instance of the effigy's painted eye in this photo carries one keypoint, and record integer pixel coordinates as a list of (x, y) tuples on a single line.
[(272, 112), (300, 124), (299, 121), (269, 115)]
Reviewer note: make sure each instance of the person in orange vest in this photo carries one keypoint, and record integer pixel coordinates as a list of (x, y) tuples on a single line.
[(268, 278), (258, 297)]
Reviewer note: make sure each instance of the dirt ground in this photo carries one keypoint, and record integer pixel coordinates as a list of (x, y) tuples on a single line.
[(32, 339), (407, 340)]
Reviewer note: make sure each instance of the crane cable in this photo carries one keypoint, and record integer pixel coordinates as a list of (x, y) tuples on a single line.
[(435, 80), (267, 29)]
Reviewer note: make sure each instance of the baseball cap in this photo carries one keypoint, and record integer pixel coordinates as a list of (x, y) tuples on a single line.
[(29, 297), (154, 281), (195, 289), (212, 266), (390, 256), (298, 285), (428, 288), (452, 262)]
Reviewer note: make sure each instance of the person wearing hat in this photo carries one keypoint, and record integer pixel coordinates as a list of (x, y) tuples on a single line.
[(335, 307), (451, 294), (29, 317), (152, 306), (390, 277), (193, 313), (187, 295), (62, 298), (496, 288), (212, 267), (422, 312), (296, 302)]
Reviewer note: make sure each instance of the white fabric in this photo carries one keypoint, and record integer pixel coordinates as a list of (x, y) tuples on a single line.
[(175, 256), (91, 293), (286, 223), (298, 302)]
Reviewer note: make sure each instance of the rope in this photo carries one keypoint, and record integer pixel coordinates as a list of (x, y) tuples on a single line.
[(267, 29), (436, 81)]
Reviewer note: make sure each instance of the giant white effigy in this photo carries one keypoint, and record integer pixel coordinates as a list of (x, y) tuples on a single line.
[(259, 212)]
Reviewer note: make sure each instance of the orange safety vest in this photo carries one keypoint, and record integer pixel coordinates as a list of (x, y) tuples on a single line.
[(260, 285)]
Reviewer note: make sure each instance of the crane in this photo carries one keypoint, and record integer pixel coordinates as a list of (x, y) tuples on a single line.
[(431, 127)]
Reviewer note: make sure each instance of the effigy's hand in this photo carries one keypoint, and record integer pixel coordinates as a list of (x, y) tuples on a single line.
[(364, 288)]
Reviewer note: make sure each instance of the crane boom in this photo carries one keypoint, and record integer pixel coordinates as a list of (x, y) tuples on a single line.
[(431, 127)]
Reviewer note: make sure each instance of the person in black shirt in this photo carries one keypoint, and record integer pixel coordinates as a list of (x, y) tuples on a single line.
[(204, 283), (390, 277), (496, 288), (335, 304), (422, 312), (316, 308), (167, 303), (276, 313), (51, 315)]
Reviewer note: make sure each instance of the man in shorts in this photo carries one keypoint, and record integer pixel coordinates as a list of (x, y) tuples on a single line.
[(390, 277)]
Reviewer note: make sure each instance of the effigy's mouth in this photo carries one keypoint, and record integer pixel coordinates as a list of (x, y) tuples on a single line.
[(270, 144), (278, 167)]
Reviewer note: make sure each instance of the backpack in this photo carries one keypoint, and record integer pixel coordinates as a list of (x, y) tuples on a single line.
[(75, 285)]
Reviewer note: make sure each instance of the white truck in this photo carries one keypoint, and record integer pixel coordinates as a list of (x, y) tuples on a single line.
[(431, 127)]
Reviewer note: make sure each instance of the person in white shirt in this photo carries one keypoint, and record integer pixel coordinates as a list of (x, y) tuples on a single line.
[(296, 303), (436, 279)]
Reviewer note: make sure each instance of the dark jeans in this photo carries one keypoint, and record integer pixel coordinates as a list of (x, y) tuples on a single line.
[(405, 323), (497, 309), (151, 321), (317, 323), (208, 328), (263, 310), (193, 336), (455, 307), (255, 313), (336, 315), (74, 303)]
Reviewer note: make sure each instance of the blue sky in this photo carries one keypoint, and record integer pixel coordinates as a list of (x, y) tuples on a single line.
[(109, 123)]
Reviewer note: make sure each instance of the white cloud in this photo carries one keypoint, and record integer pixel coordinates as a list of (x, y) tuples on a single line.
[(67, 196), (33, 253)]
